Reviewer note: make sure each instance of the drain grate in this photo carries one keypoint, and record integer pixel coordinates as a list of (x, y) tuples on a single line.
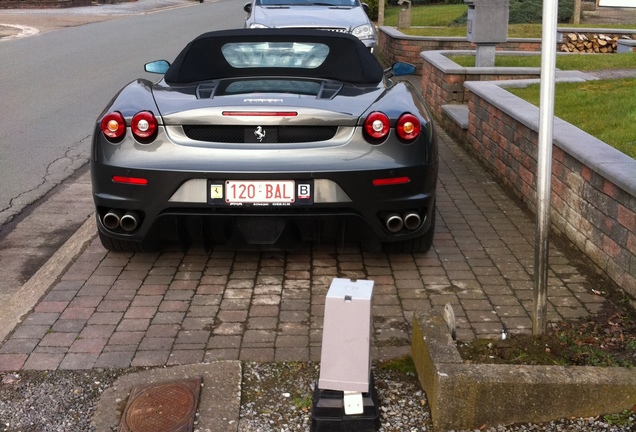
[(167, 407)]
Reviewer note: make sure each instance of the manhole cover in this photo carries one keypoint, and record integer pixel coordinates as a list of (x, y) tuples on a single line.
[(167, 407)]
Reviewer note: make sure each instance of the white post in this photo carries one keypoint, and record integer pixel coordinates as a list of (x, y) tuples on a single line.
[(544, 165)]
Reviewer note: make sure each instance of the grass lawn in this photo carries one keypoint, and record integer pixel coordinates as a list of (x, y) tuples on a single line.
[(434, 20), (582, 62), (431, 15), (588, 107), (514, 30), (585, 105), (605, 109)]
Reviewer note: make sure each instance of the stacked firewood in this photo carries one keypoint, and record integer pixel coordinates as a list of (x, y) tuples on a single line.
[(589, 43)]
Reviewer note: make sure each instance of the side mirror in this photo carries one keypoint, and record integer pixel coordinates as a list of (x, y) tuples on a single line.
[(365, 7), (158, 67), (248, 7), (402, 68)]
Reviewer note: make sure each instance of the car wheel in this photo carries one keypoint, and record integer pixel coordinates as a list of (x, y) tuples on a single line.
[(419, 244), (115, 245)]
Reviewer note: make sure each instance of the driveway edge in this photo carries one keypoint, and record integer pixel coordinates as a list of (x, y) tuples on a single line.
[(37, 286)]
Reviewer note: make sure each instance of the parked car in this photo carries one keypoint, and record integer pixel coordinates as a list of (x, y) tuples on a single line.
[(342, 16), (266, 137)]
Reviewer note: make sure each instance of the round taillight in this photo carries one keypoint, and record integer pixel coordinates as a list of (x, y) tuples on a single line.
[(408, 127), (377, 125), (144, 125), (114, 125)]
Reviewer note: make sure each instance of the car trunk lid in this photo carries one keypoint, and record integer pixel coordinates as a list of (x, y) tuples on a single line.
[(320, 102)]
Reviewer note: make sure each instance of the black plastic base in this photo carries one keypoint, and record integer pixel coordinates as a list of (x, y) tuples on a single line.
[(328, 414)]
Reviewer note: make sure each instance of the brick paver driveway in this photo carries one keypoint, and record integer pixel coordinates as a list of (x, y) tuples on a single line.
[(120, 310)]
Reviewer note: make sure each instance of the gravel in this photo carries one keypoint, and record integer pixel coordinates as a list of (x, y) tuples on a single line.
[(33, 401), (276, 397)]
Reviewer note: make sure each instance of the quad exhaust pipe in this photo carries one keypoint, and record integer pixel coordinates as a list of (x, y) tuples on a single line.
[(412, 221), (129, 221), (394, 222), (114, 220)]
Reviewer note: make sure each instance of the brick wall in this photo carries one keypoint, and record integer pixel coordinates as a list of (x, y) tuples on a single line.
[(505, 146), (395, 46), (593, 199), (441, 88), (595, 211)]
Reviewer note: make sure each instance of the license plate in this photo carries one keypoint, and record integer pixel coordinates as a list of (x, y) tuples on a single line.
[(252, 192)]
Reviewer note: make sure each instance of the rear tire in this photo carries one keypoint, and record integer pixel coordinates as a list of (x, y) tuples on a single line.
[(116, 245), (420, 244)]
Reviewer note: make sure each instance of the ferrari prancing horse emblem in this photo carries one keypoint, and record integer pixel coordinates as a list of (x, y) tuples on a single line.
[(259, 133)]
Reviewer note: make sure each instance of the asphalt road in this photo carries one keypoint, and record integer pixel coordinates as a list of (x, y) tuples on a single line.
[(54, 84), (57, 80)]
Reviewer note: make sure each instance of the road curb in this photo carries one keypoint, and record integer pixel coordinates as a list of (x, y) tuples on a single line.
[(37, 286), (15, 31)]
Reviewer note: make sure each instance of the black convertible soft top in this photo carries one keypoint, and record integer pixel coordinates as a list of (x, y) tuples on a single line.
[(348, 59)]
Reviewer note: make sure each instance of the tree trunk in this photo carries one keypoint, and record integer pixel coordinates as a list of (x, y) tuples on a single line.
[(576, 16)]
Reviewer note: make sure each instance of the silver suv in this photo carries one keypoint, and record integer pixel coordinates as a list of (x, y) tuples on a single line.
[(345, 16)]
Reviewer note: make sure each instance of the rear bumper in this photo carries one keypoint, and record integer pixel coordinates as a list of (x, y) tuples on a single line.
[(162, 206)]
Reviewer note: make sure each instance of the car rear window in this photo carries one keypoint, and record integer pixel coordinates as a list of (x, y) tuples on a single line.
[(294, 86), (300, 53), (275, 54)]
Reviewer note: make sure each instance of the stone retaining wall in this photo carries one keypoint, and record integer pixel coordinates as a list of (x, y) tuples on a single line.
[(394, 45), (467, 396), (445, 79), (593, 200)]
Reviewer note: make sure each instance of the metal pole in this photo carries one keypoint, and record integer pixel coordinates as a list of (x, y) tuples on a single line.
[(544, 165)]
